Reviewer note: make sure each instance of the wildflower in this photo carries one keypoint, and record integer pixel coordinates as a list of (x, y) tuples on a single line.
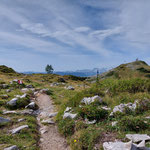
[(75, 141)]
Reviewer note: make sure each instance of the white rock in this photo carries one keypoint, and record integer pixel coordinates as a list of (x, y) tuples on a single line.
[(20, 120), (89, 100), (14, 147), (67, 109), (24, 90), (12, 102), (23, 96), (4, 120), (27, 112), (114, 123), (121, 107), (9, 112), (148, 117), (90, 122), (48, 121), (138, 137), (31, 105), (69, 115), (69, 88), (117, 146), (106, 108), (17, 130), (53, 114), (35, 93)]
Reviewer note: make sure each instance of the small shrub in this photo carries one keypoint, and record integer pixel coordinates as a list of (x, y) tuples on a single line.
[(130, 123), (66, 127), (93, 112), (85, 139), (49, 92), (80, 125), (142, 106)]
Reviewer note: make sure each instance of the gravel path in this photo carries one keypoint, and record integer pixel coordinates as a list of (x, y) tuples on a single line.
[(50, 138)]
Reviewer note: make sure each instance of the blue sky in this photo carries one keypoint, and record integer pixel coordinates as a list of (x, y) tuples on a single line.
[(73, 34)]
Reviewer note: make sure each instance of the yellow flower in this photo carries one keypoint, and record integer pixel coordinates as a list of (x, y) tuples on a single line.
[(75, 141)]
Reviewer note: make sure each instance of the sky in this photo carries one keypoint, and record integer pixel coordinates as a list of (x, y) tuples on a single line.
[(73, 34)]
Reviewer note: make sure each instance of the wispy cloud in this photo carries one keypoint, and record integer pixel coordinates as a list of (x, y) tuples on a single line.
[(103, 29)]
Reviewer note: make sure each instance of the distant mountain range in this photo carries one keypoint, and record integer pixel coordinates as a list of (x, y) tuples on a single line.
[(81, 73)]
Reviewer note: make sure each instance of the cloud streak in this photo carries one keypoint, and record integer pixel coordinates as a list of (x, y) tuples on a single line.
[(102, 29)]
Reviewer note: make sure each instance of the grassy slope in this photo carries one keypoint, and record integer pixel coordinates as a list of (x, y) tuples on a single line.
[(137, 69)]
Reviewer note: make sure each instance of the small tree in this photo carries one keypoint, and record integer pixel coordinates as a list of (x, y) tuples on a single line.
[(49, 69)]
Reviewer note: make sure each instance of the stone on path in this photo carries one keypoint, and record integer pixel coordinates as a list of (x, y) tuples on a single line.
[(48, 121), (53, 114)]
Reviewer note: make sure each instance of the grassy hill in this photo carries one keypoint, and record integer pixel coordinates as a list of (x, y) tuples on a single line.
[(138, 69), (5, 69)]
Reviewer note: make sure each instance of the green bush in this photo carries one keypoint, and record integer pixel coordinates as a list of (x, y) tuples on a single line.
[(66, 127), (130, 123), (142, 106), (85, 139), (93, 112)]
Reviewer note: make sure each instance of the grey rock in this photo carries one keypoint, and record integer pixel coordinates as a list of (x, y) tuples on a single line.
[(20, 120), (69, 88), (117, 145), (9, 112), (48, 121), (69, 115), (12, 102), (17, 130), (114, 123), (106, 108), (90, 122), (14, 147), (53, 114), (24, 90), (121, 108), (27, 112), (31, 105), (4, 120), (138, 137), (89, 100)]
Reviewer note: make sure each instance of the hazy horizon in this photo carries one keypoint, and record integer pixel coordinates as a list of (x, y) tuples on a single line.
[(73, 35)]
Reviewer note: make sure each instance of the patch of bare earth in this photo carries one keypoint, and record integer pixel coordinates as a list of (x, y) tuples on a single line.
[(50, 139)]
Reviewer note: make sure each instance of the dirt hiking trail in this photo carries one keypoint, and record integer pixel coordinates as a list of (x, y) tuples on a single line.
[(50, 139)]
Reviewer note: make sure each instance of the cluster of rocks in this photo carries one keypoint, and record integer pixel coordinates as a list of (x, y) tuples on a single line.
[(132, 145), (121, 107), (89, 100)]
